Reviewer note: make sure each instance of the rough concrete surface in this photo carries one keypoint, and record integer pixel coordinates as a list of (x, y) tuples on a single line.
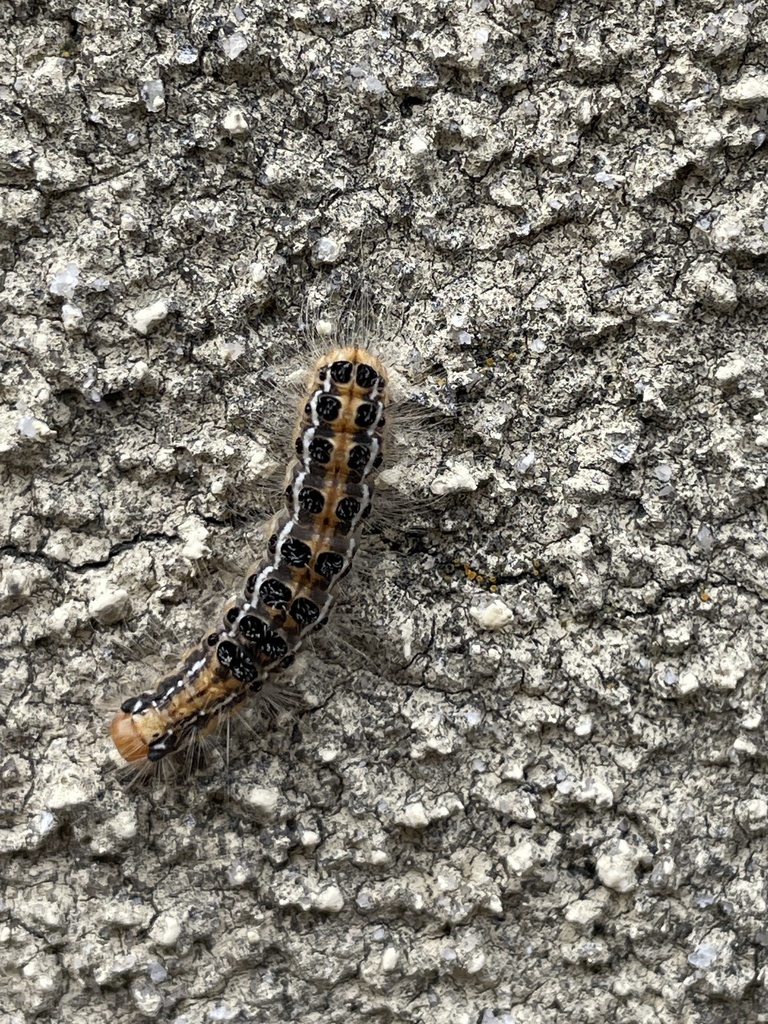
[(529, 783)]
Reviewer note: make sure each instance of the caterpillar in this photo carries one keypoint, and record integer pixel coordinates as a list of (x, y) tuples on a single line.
[(339, 446)]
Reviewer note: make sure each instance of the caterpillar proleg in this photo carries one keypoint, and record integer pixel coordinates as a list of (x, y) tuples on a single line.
[(338, 448)]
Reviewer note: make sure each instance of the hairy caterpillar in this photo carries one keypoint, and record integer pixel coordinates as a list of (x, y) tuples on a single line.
[(338, 444)]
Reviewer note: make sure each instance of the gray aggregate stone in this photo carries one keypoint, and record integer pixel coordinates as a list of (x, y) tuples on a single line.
[(526, 779)]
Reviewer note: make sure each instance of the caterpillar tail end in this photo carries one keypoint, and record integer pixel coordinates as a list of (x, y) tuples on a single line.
[(130, 745)]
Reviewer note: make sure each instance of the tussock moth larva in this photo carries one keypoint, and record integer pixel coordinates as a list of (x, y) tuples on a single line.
[(338, 445)]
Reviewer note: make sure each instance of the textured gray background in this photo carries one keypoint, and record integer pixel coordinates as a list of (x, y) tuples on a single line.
[(535, 790)]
